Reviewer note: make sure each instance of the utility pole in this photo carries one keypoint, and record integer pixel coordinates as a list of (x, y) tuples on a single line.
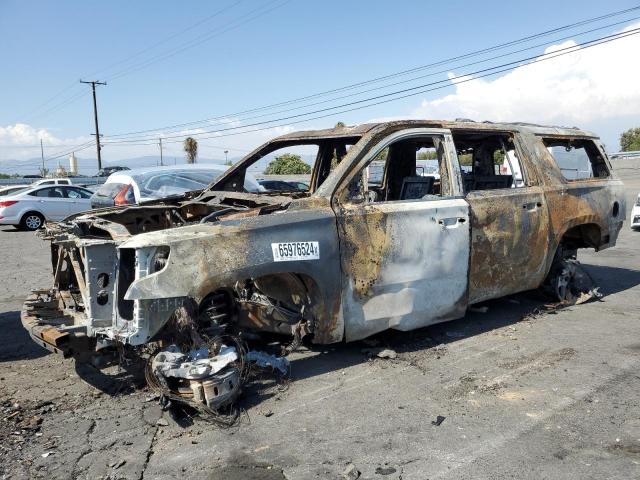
[(95, 116), (226, 157), (42, 155), (160, 141)]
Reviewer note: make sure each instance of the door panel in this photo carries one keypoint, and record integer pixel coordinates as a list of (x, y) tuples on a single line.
[(53, 208), (405, 264), (404, 261), (509, 241), (77, 205)]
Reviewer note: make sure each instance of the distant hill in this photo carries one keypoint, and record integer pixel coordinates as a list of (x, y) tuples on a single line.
[(89, 166)]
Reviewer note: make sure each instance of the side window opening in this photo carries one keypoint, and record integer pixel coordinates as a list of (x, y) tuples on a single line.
[(408, 169), (488, 161), (577, 159)]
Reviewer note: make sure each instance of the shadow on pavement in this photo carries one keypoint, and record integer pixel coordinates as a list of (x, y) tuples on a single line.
[(612, 279), (500, 313), (16, 343)]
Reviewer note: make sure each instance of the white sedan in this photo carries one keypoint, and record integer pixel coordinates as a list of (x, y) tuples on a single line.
[(635, 215), (29, 209)]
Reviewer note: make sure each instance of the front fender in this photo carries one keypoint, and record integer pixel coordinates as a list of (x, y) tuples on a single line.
[(207, 257)]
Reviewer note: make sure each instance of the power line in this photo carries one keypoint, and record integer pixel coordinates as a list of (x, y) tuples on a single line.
[(200, 40), (75, 96), (58, 106), (34, 146), (393, 75), (145, 137), (75, 148), (418, 89), (166, 39), (51, 99), (462, 79)]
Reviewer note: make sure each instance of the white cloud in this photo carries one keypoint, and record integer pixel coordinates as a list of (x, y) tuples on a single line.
[(22, 141), (22, 134), (583, 88)]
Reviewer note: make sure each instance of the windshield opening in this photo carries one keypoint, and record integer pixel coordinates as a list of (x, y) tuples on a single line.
[(294, 167)]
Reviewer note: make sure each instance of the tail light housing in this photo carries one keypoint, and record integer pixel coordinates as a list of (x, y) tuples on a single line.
[(125, 196), (8, 203)]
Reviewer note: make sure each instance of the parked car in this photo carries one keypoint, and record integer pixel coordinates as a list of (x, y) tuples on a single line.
[(53, 181), (30, 208), (145, 184), (300, 185), (343, 261), (635, 215), (8, 190), (106, 171), (279, 185)]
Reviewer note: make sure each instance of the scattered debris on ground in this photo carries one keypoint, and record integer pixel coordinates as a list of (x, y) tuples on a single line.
[(351, 472), (438, 421), (207, 374), (386, 353)]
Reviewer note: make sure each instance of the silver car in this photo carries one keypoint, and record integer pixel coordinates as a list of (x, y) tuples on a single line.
[(30, 208), (145, 184)]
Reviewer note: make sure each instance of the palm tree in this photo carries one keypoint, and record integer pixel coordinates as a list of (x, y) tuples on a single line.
[(191, 149)]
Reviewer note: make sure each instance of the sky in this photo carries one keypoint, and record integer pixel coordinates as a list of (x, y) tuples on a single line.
[(169, 63)]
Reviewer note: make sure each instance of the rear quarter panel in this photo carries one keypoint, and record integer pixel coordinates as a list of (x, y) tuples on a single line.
[(599, 201)]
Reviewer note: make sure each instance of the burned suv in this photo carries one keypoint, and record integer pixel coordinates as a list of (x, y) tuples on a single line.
[(405, 224)]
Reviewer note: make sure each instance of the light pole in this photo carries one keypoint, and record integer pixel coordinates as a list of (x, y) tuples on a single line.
[(226, 157)]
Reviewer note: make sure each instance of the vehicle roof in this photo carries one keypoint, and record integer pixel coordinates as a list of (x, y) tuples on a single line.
[(460, 124), (32, 188), (171, 168)]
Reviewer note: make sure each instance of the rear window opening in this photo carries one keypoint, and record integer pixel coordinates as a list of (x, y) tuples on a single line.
[(577, 158), (109, 190), (488, 161)]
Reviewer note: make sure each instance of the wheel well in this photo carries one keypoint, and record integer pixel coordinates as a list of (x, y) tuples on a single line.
[(298, 294), (587, 235), (32, 212)]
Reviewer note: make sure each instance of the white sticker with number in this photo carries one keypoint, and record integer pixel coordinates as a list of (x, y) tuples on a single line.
[(290, 251)]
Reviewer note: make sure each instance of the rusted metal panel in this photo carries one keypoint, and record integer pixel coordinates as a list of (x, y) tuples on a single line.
[(509, 241), (206, 258)]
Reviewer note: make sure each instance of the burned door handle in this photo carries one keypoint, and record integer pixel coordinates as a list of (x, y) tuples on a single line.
[(532, 206), (451, 222)]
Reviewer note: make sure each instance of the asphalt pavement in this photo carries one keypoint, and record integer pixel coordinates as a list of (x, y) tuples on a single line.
[(514, 392)]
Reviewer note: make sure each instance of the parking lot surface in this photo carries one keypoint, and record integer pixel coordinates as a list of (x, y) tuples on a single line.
[(524, 392)]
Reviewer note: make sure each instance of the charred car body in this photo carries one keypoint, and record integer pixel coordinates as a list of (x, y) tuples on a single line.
[(357, 254)]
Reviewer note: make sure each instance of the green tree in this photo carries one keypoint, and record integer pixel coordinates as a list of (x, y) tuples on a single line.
[(427, 155), (287, 164), (340, 125), (630, 140), (191, 149)]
